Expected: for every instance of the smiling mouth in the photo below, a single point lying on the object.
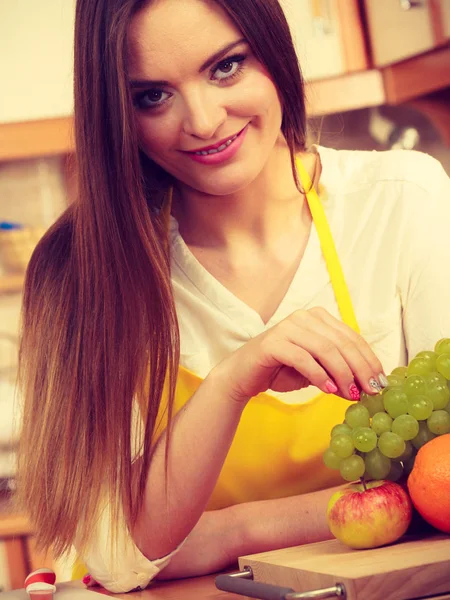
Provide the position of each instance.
(216, 149)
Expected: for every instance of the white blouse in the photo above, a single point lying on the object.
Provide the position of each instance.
(389, 213)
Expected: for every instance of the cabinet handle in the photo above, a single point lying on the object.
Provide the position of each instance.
(409, 4)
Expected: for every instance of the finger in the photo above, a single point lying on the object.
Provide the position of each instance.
(321, 362)
(89, 581)
(294, 356)
(362, 344)
(364, 348)
(360, 368)
(328, 355)
(287, 379)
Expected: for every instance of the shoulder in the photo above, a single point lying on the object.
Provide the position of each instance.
(354, 170)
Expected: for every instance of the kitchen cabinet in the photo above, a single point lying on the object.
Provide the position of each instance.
(11, 284)
(353, 53)
(327, 35)
(400, 29)
(36, 54)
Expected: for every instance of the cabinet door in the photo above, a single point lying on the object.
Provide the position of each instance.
(328, 36)
(444, 9)
(36, 56)
(400, 29)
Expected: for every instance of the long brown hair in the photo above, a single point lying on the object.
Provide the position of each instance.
(98, 309)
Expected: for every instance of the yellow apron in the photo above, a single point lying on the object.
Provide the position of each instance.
(277, 449)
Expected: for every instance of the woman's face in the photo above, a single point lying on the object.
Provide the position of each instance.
(207, 111)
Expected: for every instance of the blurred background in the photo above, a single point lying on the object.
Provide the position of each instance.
(378, 77)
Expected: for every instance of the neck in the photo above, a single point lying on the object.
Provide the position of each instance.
(260, 213)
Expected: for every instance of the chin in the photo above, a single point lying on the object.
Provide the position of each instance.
(226, 188)
(228, 181)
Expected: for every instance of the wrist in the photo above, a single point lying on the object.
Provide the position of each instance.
(219, 377)
(239, 532)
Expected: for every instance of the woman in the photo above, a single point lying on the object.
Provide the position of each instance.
(197, 272)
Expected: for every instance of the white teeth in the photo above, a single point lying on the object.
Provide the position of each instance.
(219, 149)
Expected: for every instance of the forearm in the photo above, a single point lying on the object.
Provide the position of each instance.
(220, 537)
(202, 433)
(285, 522)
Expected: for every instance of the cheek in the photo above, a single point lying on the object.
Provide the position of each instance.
(260, 98)
(157, 135)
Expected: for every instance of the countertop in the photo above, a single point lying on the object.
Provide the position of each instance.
(196, 588)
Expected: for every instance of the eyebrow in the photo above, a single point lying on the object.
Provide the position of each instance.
(145, 83)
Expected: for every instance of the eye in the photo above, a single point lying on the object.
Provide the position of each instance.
(228, 68)
(151, 99)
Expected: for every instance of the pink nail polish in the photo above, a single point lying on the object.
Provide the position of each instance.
(86, 579)
(354, 392)
(331, 387)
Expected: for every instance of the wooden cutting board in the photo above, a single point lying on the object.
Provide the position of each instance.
(411, 568)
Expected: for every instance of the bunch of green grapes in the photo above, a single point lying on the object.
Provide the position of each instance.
(381, 434)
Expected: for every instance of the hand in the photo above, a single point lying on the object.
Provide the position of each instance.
(308, 347)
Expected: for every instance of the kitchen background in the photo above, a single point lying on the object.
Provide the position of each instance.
(378, 75)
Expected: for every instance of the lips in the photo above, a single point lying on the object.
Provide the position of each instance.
(214, 149)
(220, 153)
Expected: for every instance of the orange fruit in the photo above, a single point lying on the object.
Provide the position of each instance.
(429, 482)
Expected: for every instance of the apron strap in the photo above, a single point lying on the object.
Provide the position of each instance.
(329, 250)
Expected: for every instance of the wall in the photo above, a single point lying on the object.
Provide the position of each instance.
(36, 59)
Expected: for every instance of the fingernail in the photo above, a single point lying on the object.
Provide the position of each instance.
(86, 579)
(383, 380)
(375, 385)
(331, 387)
(354, 392)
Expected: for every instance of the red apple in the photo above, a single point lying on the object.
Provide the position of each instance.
(369, 517)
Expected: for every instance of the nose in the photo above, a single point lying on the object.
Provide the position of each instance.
(204, 114)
